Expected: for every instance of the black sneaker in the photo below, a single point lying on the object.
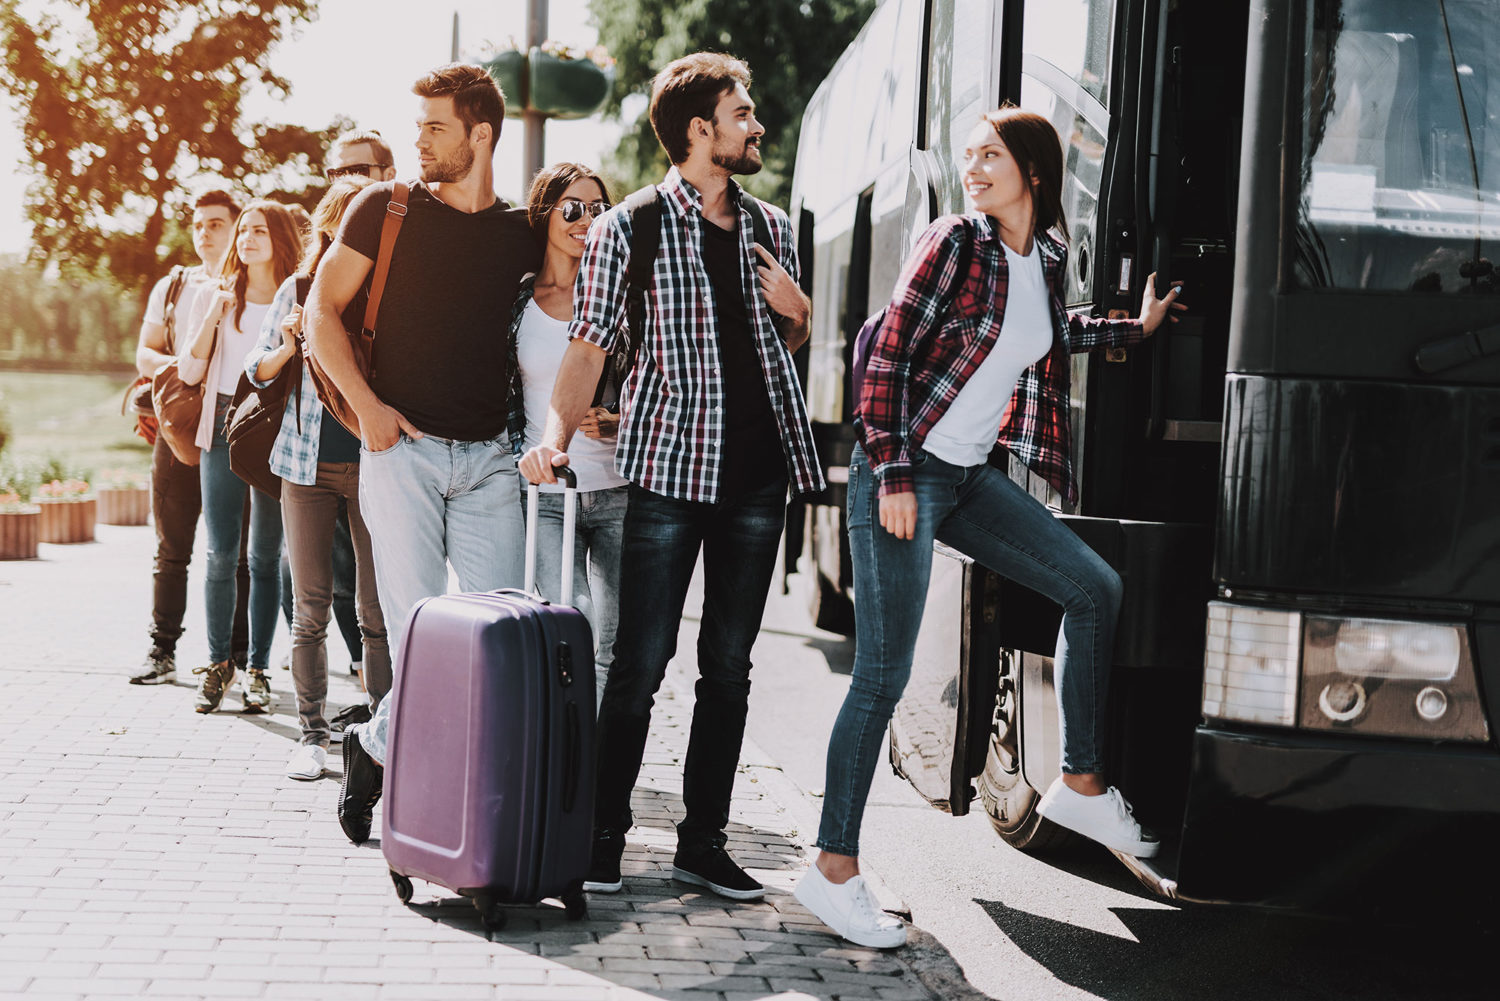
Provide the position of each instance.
(158, 669)
(347, 717)
(359, 791)
(604, 864)
(714, 869)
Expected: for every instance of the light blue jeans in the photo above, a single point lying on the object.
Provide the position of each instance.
(430, 501)
(984, 514)
(596, 564)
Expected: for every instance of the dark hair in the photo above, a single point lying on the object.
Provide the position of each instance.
(547, 187)
(286, 244)
(1037, 149)
(476, 95)
(219, 197)
(383, 155)
(327, 215)
(689, 88)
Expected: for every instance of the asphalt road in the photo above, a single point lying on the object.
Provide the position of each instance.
(1078, 926)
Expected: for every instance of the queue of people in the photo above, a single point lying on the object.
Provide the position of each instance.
(504, 332)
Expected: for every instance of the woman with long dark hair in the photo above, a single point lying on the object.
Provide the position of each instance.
(264, 252)
(318, 462)
(564, 201)
(973, 351)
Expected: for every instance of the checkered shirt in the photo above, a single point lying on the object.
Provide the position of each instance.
(672, 422)
(294, 456)
(925, 351)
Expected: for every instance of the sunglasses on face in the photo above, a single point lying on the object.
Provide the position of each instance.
(334, 173)
(572, 209)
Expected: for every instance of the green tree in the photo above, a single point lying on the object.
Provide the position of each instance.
(122, 101)
(789, 44)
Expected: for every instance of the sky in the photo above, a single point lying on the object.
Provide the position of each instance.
(359, 59)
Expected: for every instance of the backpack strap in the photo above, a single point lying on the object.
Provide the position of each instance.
(176, 280)
(303, 286)
(643, 208)
(760, 226)
(395, 215)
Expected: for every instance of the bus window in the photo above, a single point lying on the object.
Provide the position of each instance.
(1400, 176)
(963, 82)
(1064, 76)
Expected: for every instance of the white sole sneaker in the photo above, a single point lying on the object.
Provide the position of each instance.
(1106, 819)
(850, 910)
(308, 762)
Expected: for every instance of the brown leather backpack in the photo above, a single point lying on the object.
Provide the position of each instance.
(362, 344)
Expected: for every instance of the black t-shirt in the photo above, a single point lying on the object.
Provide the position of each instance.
(752, 453)
(440, 335)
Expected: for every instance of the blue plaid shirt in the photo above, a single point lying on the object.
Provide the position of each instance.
(294, 457)
(672, 422)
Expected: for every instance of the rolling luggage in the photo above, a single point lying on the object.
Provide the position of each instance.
(489, 779)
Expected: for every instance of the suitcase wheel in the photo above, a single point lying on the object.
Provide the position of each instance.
(403, 887)
(576, 905)
(491, 913)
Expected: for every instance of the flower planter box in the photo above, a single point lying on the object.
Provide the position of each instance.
(566, 88)
(66, 521)
(18, 534)
(123, 506)
(509, 70)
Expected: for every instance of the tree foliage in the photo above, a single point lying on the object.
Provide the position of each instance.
(124, 102)
(789, 44)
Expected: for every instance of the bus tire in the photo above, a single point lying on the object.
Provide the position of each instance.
(1008, 800)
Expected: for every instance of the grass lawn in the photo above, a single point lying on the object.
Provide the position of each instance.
(72, 416)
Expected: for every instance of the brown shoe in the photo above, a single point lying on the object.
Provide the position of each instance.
(216, 681)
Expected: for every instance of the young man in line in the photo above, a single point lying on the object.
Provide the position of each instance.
(175, 498)
(714, 432)
(437, 480)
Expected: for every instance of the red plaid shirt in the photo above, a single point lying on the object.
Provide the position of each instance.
(940, 327)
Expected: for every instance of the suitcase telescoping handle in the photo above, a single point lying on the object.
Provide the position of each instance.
(569, 533)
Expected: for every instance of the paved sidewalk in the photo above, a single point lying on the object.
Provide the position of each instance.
(146, 850)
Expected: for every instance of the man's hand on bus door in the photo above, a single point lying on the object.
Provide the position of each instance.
(786, 298)
(898, 514)
(1154, 310)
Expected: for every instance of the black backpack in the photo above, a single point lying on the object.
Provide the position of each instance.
(644, 209)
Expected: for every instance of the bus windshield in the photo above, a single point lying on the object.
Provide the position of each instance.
(1400, 173)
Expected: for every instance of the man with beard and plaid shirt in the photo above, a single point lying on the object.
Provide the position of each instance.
(714, 431)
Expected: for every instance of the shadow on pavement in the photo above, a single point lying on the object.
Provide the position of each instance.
(1248, 955)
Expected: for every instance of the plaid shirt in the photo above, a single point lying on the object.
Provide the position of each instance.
(294, 456)
(672, 422)
(924, 353)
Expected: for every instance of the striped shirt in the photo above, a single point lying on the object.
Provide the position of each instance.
(672, 424)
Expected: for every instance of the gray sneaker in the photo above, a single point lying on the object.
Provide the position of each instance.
(216, 681)
(256, 692)
(158, 669)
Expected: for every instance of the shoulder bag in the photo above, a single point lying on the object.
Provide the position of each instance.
(255, 416)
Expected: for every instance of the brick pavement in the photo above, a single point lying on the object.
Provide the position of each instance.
(149, 851)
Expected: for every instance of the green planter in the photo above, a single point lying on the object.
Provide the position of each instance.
(509, 71)
(567, 88)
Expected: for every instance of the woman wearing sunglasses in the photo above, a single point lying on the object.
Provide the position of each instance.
(565, 199)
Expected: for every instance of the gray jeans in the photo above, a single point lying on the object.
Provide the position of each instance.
(596, 564)
(308, 514)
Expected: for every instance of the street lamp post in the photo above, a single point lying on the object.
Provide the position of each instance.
(534, 152)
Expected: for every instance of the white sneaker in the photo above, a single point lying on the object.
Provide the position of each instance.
(1106, 819)
(306, 762)
(850, 910)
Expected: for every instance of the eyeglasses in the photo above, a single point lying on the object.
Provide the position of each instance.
(572, 209)
(334, 173)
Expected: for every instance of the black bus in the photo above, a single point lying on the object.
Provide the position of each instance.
(1299, 483)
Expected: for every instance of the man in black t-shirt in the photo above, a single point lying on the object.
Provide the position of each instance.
(437, 478)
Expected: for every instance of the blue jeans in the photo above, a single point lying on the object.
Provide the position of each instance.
(596, 564)
(427, 502)
(739, 540)
(981, 512)
(223, 516)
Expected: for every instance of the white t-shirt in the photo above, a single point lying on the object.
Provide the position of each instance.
(966, 432)
(196, 290)
(236, 340)
(540, 344)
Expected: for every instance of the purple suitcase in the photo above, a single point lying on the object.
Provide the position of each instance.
(489, 779)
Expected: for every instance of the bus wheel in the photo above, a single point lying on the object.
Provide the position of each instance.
(1009, 801)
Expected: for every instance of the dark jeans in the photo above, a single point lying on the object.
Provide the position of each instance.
(176, 502)
(739, 541)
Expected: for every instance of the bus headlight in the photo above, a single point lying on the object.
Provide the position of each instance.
(1250, 664)
(1417, 679)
